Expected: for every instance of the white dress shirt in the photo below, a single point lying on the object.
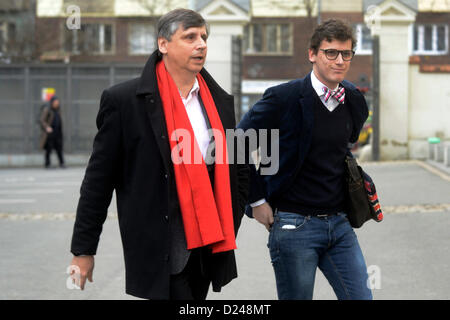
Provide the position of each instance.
(195, 114)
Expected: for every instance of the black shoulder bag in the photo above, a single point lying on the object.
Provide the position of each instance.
(363, 199)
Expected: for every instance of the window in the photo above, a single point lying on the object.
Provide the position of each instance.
(141, 38)
(3, 35)
(363, 38)
(268, 39)
(11, 32)
(7, 36)
(430, 39)
(90, 39)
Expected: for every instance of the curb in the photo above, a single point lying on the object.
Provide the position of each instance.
(37, 160)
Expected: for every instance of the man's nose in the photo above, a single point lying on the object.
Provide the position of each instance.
(339, 58)
(201, 44)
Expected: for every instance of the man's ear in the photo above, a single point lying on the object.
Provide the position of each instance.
(311, 56)
(162, 45)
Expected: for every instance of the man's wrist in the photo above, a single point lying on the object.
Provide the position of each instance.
(82, 255)
(258, 203)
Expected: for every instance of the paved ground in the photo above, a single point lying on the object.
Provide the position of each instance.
(410, 250)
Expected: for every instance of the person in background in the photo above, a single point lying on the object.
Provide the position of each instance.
(52, 131)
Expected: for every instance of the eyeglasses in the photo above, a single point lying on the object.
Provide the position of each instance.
(332, 54)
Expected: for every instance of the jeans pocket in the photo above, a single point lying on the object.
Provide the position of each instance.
(288, 221)
(343, 215)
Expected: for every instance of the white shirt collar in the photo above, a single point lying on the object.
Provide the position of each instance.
(193, 91)
(317, 85)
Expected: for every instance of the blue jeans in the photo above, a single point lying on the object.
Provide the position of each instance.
(299, 244)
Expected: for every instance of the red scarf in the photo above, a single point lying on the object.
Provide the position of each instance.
(207, 214)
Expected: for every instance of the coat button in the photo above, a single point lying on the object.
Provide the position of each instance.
(166, 176)
(166, 217)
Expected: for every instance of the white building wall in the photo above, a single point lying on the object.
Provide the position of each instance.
(434, 5)
(123, 8)
(429, 111)
(218, 62)
(49, 8)
(279, 8)
(342, 6)
(393, 91)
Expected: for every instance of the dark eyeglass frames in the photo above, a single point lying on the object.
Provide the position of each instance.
(332, 54)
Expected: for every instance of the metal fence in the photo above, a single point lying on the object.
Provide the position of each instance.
(78, 88)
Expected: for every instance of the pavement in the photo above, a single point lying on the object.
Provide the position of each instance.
(407, 254)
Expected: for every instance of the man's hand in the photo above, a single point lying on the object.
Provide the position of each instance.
(86, 267)
(49, 129)
(263, 214)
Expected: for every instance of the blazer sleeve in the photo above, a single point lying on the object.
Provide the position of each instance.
(99, 180)
(243, 180)
(263, 115)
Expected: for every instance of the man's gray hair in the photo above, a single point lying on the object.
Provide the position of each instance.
(169, 23)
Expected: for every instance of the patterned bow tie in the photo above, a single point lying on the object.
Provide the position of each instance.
(339, 94)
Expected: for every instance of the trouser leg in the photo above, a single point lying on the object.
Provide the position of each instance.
(190, 284)
(343, 264)
(48, 151)
(59, 151)
(295, 243)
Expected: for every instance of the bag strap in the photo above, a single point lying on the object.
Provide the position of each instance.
(353, 168)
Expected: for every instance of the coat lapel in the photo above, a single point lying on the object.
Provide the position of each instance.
(148, 87)
(357, 105)
(307, 110)
(158, 123)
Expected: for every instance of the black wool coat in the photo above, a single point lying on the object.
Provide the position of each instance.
(131, 155)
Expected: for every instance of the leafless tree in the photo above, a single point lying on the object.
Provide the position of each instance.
(152, 6)
(307, 5)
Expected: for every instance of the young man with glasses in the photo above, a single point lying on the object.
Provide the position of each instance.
(304, 204)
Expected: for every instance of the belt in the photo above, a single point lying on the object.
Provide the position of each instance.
(324, 215)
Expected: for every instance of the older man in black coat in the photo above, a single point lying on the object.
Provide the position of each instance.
(132, 155)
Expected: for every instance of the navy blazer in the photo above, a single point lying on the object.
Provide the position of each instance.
(289, 108)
